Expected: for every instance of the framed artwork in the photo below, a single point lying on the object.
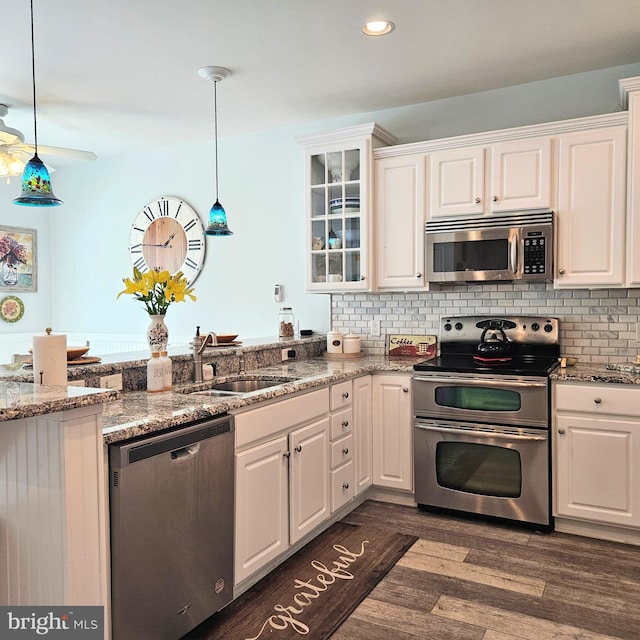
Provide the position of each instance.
(18, 269)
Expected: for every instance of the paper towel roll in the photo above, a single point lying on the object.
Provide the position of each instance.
(50, 359)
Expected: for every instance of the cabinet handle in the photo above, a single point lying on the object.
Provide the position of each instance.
(345, 395)
(345, 424)
(597, 400)
(361, 277)
(405, 389)
(345, 485)
(299, 448)
(418, 275)
(286, 454)
(495, 198)
(561, 272)
(561, 431)
(477, 200)
(345, 451)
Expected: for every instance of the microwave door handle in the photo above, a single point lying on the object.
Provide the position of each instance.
(513, 255)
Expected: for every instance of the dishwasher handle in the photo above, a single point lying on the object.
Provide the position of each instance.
(185, 453)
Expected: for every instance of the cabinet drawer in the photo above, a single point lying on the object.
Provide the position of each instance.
(341, 451)
(341, 394)
(341, 423)
(617, 399)
(271, 419)
(342, 486)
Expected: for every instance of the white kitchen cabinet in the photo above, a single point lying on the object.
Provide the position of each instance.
(506, 176)
(363, 432)
(596, 444)
(400, 214)
(282, 477)
(342, 485)
(338, 202)
(590, 220)
(392, 432)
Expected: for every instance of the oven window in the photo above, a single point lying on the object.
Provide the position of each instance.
(471, 255)
(478, 398)
(482, 469)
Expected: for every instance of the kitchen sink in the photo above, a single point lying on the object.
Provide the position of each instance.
(239, 386)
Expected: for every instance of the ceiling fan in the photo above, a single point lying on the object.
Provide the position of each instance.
(15, 153)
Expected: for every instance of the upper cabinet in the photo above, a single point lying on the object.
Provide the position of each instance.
(339, 194)
(590, 221)
(505, 176)
(400, 210)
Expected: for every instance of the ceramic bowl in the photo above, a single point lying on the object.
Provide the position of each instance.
(226, 337)
(73, 353)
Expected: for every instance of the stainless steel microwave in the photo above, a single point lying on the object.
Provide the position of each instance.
(494, 248)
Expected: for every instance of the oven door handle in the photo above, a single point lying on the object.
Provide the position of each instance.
(470, 432)
(482, 382)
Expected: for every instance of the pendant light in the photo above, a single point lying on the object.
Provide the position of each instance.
(217, 216)
(36, 183)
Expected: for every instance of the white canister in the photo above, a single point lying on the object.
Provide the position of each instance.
(351, 343)
(334, 342)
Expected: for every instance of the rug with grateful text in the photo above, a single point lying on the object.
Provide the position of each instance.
(314, 591)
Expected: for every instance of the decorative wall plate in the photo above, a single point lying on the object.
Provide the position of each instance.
(11, 308)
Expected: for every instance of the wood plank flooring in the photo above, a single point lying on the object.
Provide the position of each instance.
(471, 580)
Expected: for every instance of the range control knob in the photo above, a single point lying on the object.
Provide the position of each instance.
(548, 328)
(447, 326)
(458, 326)
(535, 326)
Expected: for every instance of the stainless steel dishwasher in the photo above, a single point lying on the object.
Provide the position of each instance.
(172, 514)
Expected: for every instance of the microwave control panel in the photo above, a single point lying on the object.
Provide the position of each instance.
(535, 254)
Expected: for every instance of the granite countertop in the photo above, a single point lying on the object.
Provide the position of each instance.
(139, 413)
(609, 373)
(25, 400)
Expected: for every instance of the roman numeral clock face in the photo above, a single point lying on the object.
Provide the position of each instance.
(168, 234)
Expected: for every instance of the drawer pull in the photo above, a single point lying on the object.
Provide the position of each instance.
(299, 448)
(345, 424)
(345, 451)
(405, 389)
(286, 454)
(345, 485)
(477, 201)
(345, 395)
(597, 400)
(561, 431)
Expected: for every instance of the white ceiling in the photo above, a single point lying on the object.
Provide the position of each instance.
(120, 75)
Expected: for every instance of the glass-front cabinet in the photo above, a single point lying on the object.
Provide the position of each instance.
(338, 207)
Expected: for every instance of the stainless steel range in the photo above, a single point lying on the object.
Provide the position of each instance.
(482, 418)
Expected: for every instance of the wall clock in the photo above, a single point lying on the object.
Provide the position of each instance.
(168, 234)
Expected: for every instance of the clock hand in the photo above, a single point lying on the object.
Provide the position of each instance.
(169, 239)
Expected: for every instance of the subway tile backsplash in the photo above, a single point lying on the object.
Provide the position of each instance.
(598, 326)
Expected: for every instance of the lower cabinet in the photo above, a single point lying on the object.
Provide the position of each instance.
(596, 441)
(363, 432)
(392, 432)
(342, 476)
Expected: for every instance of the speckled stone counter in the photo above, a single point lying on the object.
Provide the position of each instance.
(612, 373)
(140, 413)
(24, 400)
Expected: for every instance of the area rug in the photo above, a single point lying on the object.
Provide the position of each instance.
(314, 591)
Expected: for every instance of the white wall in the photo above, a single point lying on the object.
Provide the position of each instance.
(83, 244)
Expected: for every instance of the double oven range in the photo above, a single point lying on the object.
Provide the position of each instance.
(482, 418)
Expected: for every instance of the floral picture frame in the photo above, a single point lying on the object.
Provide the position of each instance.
(18, 259)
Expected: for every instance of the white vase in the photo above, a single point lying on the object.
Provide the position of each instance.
(157, 334)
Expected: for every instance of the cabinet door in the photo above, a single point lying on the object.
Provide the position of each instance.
(363, 433)
(262, 510)
(392, 432)
(309, 478)
(457, 182)
(521, 175)
(591, 209)
(400, 216)
(633, 206)
(597, 463)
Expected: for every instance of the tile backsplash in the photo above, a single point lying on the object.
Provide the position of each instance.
(598, 326)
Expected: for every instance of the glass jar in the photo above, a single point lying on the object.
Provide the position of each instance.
(285, 323)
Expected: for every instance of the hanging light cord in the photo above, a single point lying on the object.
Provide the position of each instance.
(33, 79)
(215, 127)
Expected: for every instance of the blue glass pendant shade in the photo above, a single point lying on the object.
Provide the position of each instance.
(218, 221)
(36, 186)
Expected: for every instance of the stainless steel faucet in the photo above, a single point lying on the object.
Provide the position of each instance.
(210, 340)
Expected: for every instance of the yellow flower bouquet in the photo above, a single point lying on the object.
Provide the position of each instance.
(157, 289)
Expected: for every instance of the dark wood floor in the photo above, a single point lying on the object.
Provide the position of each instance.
(470, 580)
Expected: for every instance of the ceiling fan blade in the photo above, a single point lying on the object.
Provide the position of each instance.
(61, 152)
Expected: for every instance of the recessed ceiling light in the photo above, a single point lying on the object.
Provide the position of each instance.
(378, 28)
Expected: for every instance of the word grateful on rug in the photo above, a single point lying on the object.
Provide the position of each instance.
(314, 591)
